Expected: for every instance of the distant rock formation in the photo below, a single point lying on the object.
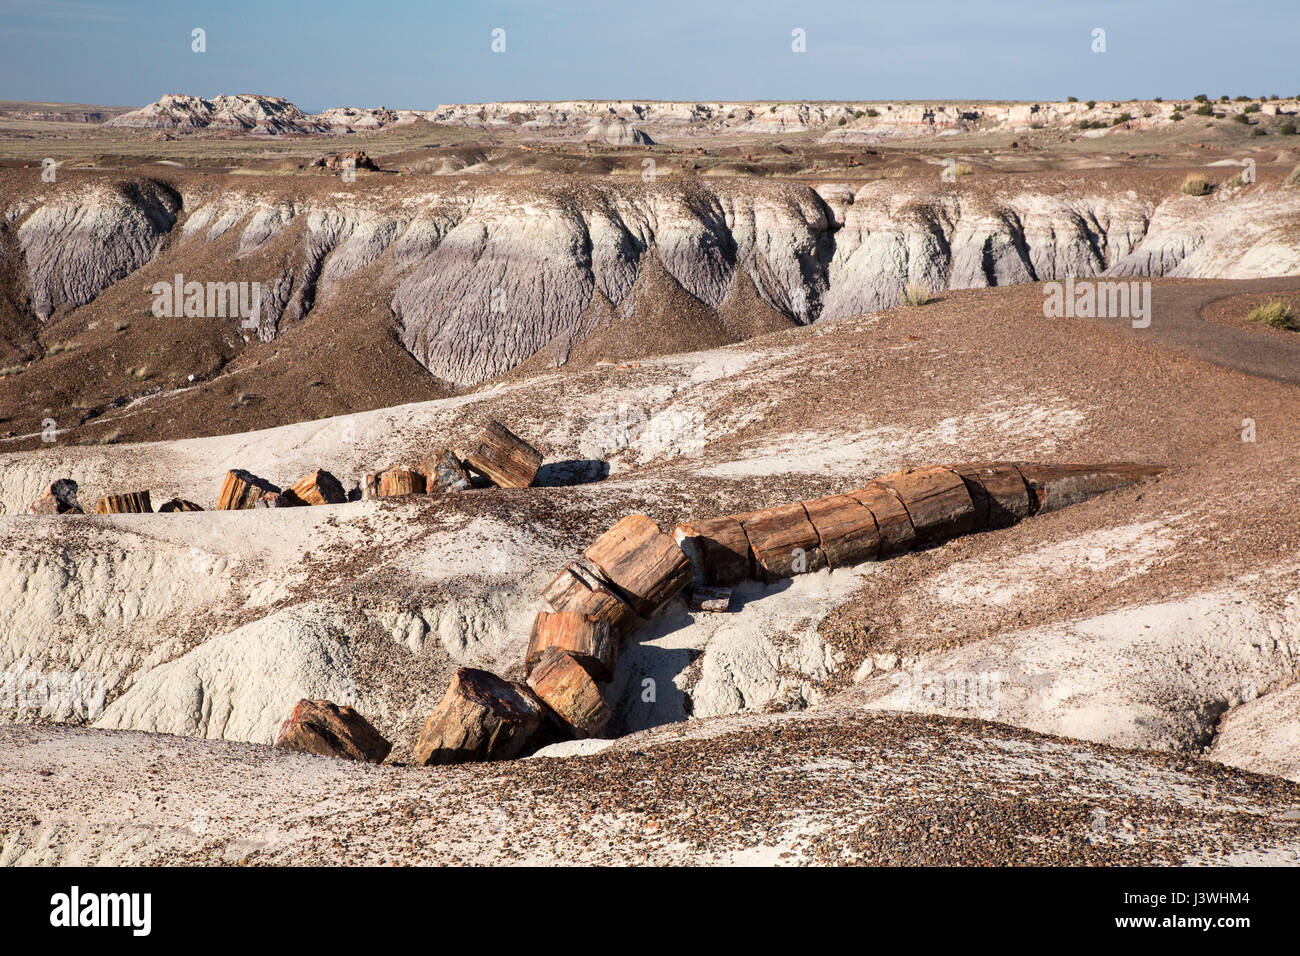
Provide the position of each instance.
(616, 131)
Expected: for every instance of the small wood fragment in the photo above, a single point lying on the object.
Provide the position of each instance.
(700, 597)
(177, 504)
(60, 498)
(325, 728)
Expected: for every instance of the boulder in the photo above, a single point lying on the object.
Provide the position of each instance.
(502, 457)
(60, 498)
(321, 727)
(480, 717)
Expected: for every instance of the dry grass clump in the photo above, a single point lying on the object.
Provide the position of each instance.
(1276, 313)
(1195, 185)
(917, 293)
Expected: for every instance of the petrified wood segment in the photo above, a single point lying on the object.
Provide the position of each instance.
(399, 481)
(717, 548)
(936, 500)
(277, 499)
(481, 717)
(133, 502)
(568, 689)
(319, 488)
(60, 498)
(579, 589)
(241, 489)
(177, 504)
(321, 727)
(783, 541)
(703, 598)
(645, 566)
(998, 491)
(846, 529)
(444, 472)
(503, 457)
(1056, 486)
(896, 532)
(591, 640)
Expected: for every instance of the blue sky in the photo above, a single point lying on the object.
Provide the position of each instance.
(404, 53)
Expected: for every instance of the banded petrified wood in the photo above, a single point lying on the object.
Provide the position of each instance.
(395, 482)
(480, 717)
(846, 530)
(570, 691)
(895, 527)
(177, 504)
(242, 489)
(717, 548)
(504, 458)
(645, 566)
(582, 589)
(443, 472)
(325, 728)
(998, 491)
(591, 640)
(1057, 486)
(936, 500)
(318, 488)
(132, 502)
(783, 542)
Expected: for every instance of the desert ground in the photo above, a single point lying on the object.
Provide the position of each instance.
(690, 310)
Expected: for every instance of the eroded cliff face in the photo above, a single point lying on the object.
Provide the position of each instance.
(483, 275)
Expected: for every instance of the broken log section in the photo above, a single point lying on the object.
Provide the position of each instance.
(504, 458)
(580, 589)
(480, 717)
(717, 548)
(60, 498)
(241, 489)
(318, 488)
(894, 526)
(399, 481)
(783, 542)
(645, 566)
(133, 502)
(999, 493)
(177, 504)
(846, 530)
(590, 640)
(570, 691)
(1057, 486)
(443, 472)
(321, 727)
(936, 500)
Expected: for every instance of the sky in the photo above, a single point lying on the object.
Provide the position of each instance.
(412, 54)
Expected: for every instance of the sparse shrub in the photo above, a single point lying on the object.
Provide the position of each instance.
(110, 438)
(858, 114)
(1071, 99)
(1286, 129)
(1176, 117)
(1241, 118)
(1276, 314)
(1293, 177)
(1195, 185)
(1201, 98)
(917, 293)
(58, 347)
(1252, 108)
(963, 169)
(842, 121)
(1158, 99)
(1204, 110)
(1121, 119)
(1259, 131)
(873, 113)
(1091, 103)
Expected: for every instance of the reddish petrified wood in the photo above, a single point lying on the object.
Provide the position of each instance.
(591, 640)
(896, 532)
(318, 488)
(503, 457)
(644, 565)
(132, 502)
(998, 491)
(1056, 486)
(581, 589)
(443, 472)
(321, 727)
(717, 548)
(783, 541)
(60, 498)
(936, 500)
(241, 489)
(570, 691)
(480, 717)
(399, 481)
(846, 530)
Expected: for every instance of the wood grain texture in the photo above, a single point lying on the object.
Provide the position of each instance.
(502, 457)
(579, 589)
(318, 488)
(570, 691)
(1058, 486)
(717, 548)
(896, 532)
(241, 489)
(846, 530)
(591, 640)
(783, 541)
(324, 728)
(998, 491)
(480, 717)
(645, 566)
(131, 502)
(936, 500)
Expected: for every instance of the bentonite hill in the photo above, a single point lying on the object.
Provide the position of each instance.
(650, 482)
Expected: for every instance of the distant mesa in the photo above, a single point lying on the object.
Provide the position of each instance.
(616, 131)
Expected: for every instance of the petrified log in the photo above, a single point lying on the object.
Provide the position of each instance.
(399, 481)
(846, 529)
(717, 548)
(783, 541)
(443, 472)
(60, 498)
(591, 640)
(702, 598)
(998, 491)
(568, 689)
(1056, 486)
(481, 717)
(241, 489)
(318, 488)
(177, 504)
(936, 500)
(645, 566)
(896, 532)
(580, 589)
(321, 727)
(503, 457)
(133, 502)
